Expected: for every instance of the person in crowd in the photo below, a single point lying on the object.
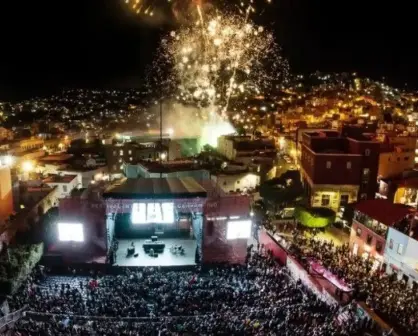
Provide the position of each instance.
(258, 298)
(394, 300)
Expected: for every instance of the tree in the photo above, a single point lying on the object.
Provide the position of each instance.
(315, 217)
(208, 148)
(282, 191)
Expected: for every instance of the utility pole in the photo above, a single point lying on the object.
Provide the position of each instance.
(161, 137)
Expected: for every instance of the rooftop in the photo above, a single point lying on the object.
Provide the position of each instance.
(57, 178)
(323, 134)
(156, 188)
(170, 166)
(384, 211)
(81, 169)
(57, 158)
(254, 145)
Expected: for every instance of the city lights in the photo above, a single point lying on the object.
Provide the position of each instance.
(8, 160)
(28, 166)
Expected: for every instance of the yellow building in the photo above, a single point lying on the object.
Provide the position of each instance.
(333, 196)
(396, 156)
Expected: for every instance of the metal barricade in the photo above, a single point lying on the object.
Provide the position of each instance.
(11, 318)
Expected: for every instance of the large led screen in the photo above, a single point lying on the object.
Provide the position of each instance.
(70, 232)
(145, 213)
(240, 229)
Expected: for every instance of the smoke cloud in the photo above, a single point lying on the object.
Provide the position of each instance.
(183, 121)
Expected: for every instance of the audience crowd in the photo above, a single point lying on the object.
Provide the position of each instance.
(258, 298)
(391, 298)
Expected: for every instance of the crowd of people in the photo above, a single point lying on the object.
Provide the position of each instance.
(391, 298)
(258, 298)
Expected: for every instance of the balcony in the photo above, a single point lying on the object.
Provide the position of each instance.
(372, 224)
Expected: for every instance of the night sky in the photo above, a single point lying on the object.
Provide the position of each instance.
(47, 45)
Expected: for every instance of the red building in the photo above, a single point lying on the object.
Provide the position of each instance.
(338, 169)
(372, 218)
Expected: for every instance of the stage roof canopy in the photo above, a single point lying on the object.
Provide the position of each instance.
(156, 188)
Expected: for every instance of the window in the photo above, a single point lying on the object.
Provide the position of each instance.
(120, 160)
(358, 232)
(406, 158)
(238, 182)
(366, 172)
(363, 196)
(114, 153)
(400, 249)
(367, 152)
(325, 200)
(391, 244)
(349, 165)
(121, 152)
(344, 200)
(328, 164)
(114, 167)
(130, 159)
(121, 167)
(64, 188)
(369, 239)
(130, 152)
(379, 247)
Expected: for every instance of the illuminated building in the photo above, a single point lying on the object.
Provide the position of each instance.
(32, 200)
(64, 183)
(235, 181)
(369, 231)
(5, 134)
(6, 196)
(245, 149)
(397, 154)
(401, 188)
(401, 252)
(120, 153)
(337, 170)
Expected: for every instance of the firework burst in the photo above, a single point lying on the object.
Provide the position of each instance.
(220, 59)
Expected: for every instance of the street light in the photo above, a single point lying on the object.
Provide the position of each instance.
(27, 166)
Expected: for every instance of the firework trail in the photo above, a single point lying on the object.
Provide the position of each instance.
(182, 10)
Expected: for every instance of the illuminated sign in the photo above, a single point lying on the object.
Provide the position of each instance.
(145, 213)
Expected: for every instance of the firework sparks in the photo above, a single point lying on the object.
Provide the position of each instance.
(221, 57)
(155, 7)
(184, 8)
(217, 61)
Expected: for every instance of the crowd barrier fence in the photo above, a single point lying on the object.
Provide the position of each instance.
(11, 318)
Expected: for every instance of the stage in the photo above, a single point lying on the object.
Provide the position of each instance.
(164, 259)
